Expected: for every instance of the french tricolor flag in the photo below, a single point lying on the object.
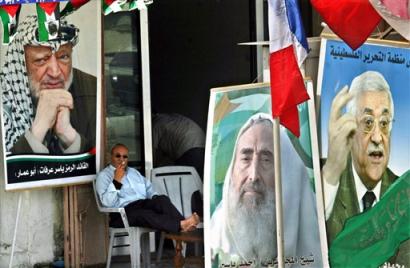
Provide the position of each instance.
(288, 49)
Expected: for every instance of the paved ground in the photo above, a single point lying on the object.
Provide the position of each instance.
(166, 261)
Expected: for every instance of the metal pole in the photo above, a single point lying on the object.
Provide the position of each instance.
(316, 170)
(146, 92)
(259, 37)
(15, 231)
(278, 192)
(146, 101)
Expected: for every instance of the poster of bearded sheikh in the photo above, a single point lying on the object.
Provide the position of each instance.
(239, 183)
(50, 91)
(365, 145)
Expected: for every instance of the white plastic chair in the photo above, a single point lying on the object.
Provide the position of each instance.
(178, 183)
(138, 236)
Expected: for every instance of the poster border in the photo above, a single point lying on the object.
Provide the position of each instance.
(315, 158)
(77, 180)
(323, 57)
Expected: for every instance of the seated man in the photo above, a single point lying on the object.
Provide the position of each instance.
(121, 186)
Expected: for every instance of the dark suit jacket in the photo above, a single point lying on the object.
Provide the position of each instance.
(83, 116)
(346, 206)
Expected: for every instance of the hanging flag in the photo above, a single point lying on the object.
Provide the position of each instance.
(399, 8)
(72, 6)
(48, 15)
(371, 238)
(9, 16)
(110, 6)
(288, 47)
(352, 21)
(15, 2)
(136, 4)
(124, 5)
(396, 13)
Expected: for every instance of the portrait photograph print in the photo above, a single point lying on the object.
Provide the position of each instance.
(239, 188)
(365, 148)
(50, 98)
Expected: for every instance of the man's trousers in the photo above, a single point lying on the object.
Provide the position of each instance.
(157, 213)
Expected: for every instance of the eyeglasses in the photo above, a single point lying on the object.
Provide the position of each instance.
(368, 123)
(120, 155)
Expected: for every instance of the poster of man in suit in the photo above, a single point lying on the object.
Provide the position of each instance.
(365, 144)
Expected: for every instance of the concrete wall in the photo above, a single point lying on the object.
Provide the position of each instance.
(40, 229)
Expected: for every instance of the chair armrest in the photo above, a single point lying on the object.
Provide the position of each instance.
(111, 210)
(117, 210)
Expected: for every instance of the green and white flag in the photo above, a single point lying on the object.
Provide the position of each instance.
(9, 16)
(371, 238)
(72, 6)
(48, 15)
(110, 6)
(136, 4)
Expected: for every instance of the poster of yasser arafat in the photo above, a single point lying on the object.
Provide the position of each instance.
(50, 89)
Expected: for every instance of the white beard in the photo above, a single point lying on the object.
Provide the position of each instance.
(253, 229)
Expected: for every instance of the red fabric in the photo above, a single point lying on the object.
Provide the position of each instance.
(78, 3)
(398, 8)
(11, 9)
(109, 2)
(287, 88)
(93, 151)
(49, 8)
(352, 20)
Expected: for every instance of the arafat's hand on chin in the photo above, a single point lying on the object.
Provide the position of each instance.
(63, 128)
(48, 106)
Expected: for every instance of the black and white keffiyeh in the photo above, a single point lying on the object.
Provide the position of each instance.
(18, 111)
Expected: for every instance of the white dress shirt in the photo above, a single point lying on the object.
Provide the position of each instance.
(361, 189)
